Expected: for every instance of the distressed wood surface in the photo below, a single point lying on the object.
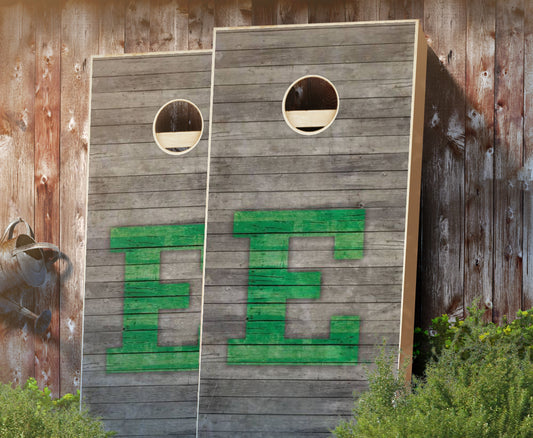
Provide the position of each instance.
(228, 302)
(17, 138)
(125, 314)
(125, 25)
(47, 173)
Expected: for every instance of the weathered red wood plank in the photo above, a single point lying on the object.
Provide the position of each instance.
(47, 218)
(442, 270)
(292, 12)
(527, 176)
(332, 11)
(508, 156)
(169, 25)
(231, 13)
(201, 22)
(137, 27)
(263, 12)
(479, 152)
(78, 18)
(111, 27)
(17, 169)
(362, 10)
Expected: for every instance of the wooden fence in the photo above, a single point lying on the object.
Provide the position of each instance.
(476, 202)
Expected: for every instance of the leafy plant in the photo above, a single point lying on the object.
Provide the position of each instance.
(479, 384)
(29, 412)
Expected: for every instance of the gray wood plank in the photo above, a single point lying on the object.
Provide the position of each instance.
(145, 394)
(169, 319)
(279, 129)
(347, 89)
(156, 81)
(98, 378)
(323, 35)
(289, 73)
(132, 133)
(130, 411)
(144, 64)
(336, 54)
(135, 184)
(367, 108)
(239, 277)
(131, 201)
(114, 306)
(148, 98)
(144, 115)
(151, 427)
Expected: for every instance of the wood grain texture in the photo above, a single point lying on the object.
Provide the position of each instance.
(17, 171)
(479, 153)
(111, 35)
(47, 172)
(201, 23)
(508, 158)
(442, 192)
(137, 26)
(78, 17)
(240, 180)
(169, 25)
(527, 288)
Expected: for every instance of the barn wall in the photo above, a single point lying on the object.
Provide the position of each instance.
(476, 203)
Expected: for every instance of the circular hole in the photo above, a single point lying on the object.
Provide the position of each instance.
(178, 126)
(310, 105)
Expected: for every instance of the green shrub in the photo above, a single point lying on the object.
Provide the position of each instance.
(29, 412)
(479, 384)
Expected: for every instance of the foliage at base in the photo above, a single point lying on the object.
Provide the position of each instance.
(29, 412)
(480, 384)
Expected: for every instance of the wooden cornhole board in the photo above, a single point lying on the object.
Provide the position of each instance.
(311, 239)
(144, 247)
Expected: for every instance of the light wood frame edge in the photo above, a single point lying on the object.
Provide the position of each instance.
(413, 203)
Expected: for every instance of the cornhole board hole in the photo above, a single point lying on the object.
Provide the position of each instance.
(314, 181)
(146, 214)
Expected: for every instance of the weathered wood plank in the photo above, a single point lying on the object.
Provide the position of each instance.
(78, 17)
(479, 152)
(144, 64)
(322, 36)
(47, 169)
(169, 25)
(232, 13)
(137, 26)
(275, 74)
(361, 10)
(313, 55)
(154, 393)
(159, 81)
(124, 99)
(527, 287)
(201, 23)
(508, 156)
(111, 35)
(326, 12)
(17, 170)
(443, 167)
(164, 410)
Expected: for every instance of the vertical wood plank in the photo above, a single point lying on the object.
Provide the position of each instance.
(79, 41)
(17, 169)
(479, 151)
(111, 27)
(408, 9)
(263, 12)
(201, 23)
(292, 12)
(527, 288)
(231, 13)
(47, 218)
(326, 12)
(137, 29)
(362, 10)
(169, 25)
(508, 155)
(443, 170)
(387, 9)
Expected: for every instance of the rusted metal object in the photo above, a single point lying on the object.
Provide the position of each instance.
(22, 264)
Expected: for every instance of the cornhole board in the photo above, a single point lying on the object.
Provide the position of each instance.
(145, 233)
(311, 245)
